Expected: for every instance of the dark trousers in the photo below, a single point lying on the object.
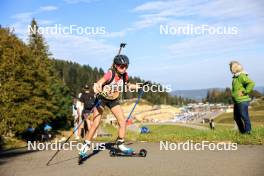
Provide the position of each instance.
(241, 117)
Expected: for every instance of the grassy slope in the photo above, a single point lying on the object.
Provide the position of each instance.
(175, 133)
(225, 130)
(256, 114)
(257, 117)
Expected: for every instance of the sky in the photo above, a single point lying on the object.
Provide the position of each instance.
(181, 60)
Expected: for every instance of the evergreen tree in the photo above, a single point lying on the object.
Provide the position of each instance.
(36, 41)
(30, 91)
(51, 92)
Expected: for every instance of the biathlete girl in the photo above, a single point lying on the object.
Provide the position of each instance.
(108, 87)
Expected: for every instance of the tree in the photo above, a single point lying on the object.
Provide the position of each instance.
(18, 106)
(36, 41)
(50, 89)
(31, 92)
(219, 96)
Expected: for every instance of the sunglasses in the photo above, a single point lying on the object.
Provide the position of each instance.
(122, 66)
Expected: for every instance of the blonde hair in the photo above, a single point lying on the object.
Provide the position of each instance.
(235, 67)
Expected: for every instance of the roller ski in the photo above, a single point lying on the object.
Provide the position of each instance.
(83, 152)
(119, 149)
(82, 158)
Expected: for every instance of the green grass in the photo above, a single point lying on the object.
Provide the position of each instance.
(256, 113)
(112, 130)
(224, 130)
(256, 117)
(173, 133)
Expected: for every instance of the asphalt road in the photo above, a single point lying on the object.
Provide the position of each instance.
(246, 160)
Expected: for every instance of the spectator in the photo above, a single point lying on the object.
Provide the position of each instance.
(212, 124)
(242, 85)
(87, 98)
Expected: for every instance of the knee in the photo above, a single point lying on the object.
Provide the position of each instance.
(122, 123)
(96, 122)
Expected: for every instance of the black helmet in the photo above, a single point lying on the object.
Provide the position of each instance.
(121, 60)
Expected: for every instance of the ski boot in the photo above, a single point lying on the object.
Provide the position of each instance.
(83, 152)
(122, 148)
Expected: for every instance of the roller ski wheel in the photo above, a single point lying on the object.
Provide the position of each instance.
(112, 153)
(143, 153)
(118, 153)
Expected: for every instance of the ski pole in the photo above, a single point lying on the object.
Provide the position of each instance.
(139, 97)
(141, 92)
(75, 129)
(122, 45)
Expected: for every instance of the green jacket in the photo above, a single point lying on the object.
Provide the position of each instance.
(241, 83)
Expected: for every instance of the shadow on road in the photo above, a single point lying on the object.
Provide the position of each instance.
(108, 146)
(69, 159)
(4, 155)
(15, 152)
